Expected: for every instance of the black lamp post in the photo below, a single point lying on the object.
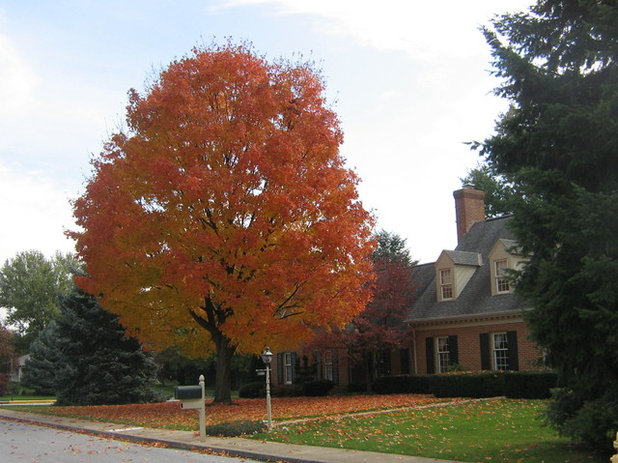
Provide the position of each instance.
(267, 357)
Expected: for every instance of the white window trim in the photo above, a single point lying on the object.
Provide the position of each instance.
(328, 372)
(446, 287)
(501, 278)
(287, 368)
(494, 351)
(442, 367)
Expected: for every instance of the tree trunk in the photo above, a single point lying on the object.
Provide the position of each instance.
(223, 380)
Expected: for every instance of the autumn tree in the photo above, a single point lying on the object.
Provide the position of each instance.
(379, 328)
(7, 357)
(223, 217)
(30, 285)
(559, 143)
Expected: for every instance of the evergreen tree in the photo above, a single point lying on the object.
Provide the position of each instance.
(45, 354)
(392, 248)
(499, 192)
(87, 359)
(559, 144)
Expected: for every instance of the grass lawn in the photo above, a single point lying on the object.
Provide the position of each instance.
(485, 431)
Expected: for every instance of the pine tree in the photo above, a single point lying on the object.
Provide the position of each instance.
(559, 144)
(45, 354)
(86, 358)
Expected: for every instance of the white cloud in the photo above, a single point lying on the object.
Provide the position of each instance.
(428, 31)
(34, 214)
(407, 142)
(18, 81)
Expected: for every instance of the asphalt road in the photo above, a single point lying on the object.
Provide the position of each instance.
(25, 443)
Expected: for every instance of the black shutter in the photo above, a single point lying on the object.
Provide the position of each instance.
(511, 340)
(280, 368)
(431, 364)
(335, 368)
(453, 351)
(404, 355)
(485, 353)
(318, 365)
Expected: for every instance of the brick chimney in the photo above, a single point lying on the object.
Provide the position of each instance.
(469, 208)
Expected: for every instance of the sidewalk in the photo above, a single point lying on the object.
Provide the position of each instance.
(232, 446)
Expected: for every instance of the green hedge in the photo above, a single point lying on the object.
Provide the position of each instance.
(252, 390)
(311, 388)
(317, 388)
(288, 390)
(467, 385)
(403, 384)
(515, 384)
(530, 384)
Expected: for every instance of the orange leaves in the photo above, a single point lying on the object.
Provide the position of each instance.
(228, 198)
(170, 415)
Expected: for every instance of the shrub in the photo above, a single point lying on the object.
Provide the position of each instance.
(529, 384)
(235, 428)
(357, 387)
(317, 388)
(402, 384)
(516, 384)
(467, 385)
(288, 390)
(252, 390)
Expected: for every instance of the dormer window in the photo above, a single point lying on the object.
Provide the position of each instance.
(446, 283)
(504, 256)
(453, 271)
(502, 283)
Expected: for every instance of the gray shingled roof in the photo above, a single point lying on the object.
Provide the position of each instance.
(465, 258)
(475, 299)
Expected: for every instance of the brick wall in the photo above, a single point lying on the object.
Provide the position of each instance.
(469, 349)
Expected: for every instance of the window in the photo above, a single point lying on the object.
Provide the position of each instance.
(328, 365)
(288, 368)
(446, 284)
(500, 351)
(502, 283)
(442, 354)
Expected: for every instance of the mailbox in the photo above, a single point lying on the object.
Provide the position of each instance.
(193, 397)
(187, 392)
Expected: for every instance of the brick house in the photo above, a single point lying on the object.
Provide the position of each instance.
(466, 313)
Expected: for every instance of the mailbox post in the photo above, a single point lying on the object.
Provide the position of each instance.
(194, 397)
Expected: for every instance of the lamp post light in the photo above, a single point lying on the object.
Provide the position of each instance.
(267, 357)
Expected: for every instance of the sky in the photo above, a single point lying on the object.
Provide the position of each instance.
(409, 80)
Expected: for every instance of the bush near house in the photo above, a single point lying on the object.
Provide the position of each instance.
(252, 390)
(317, 388)
(402, 384)
(516, 384)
